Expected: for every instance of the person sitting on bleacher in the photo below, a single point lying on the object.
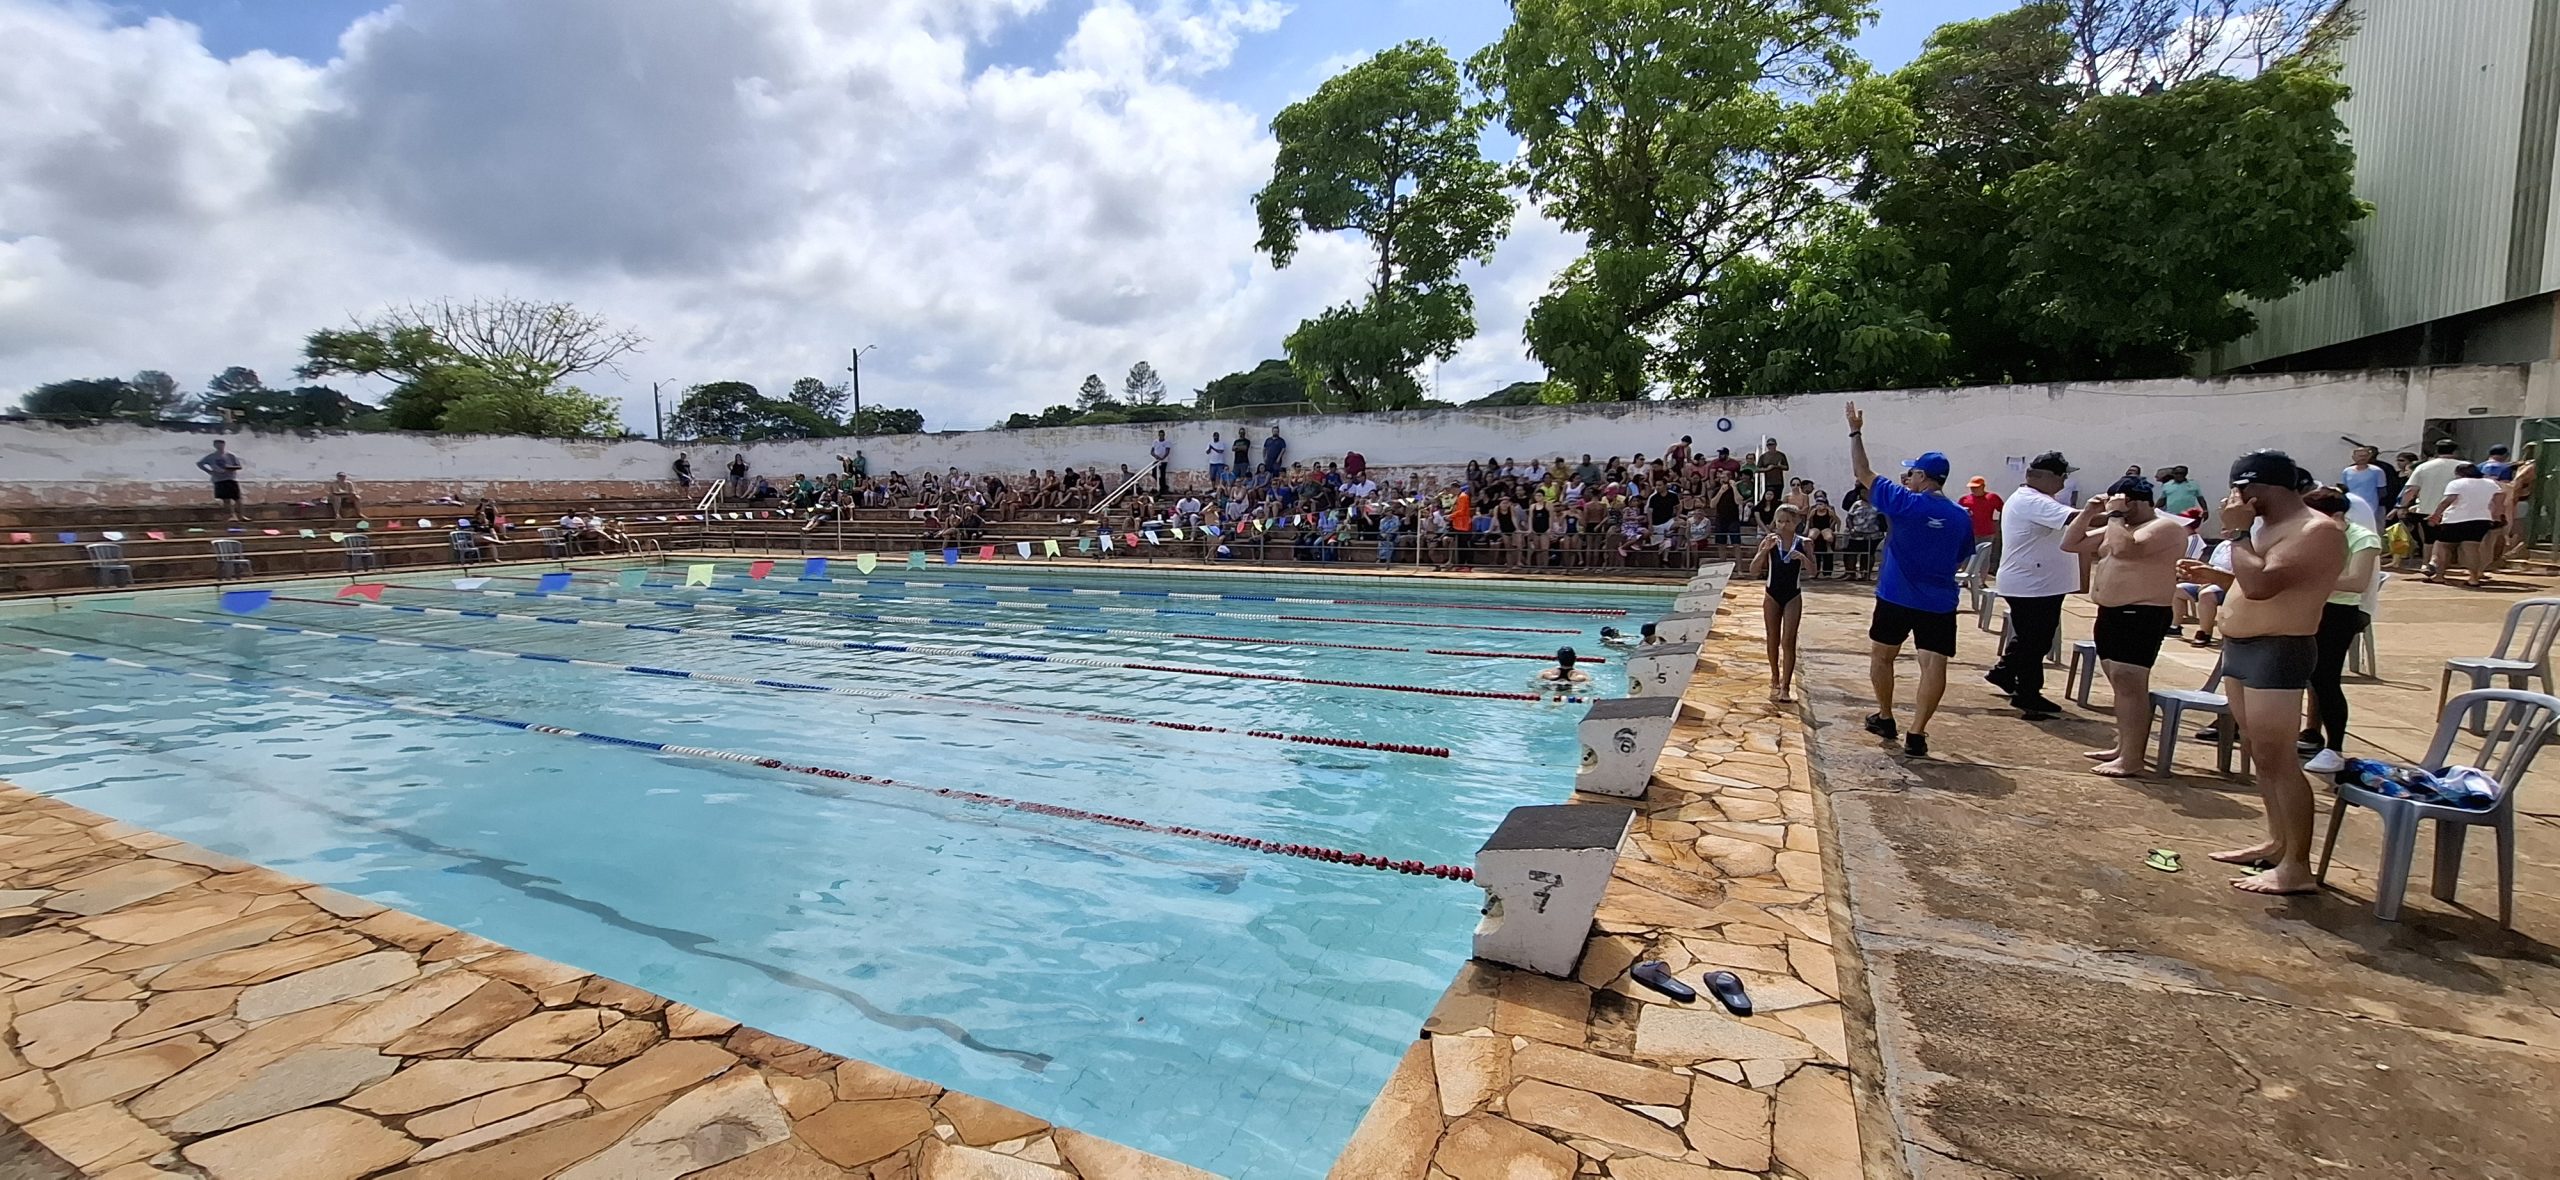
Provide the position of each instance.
(343, 501)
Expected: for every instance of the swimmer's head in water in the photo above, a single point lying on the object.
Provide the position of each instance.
(1646, 631)
(1565, 658)
(1608, 633)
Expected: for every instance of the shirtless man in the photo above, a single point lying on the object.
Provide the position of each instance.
(2282, 572)
(2133, 583)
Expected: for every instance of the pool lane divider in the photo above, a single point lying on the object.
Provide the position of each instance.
(770, 685)
(1196, 596)
(931, 621)
(929, 649)
(1315, 852)
(1078, 608)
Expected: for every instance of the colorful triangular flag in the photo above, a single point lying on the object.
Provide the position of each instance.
(631, 579)
(363, 525)
(1022, 547)
(814, 570)
(425, 523)
(1151, 537)
(1049, 547)
(67, 538)
(272, 532)
(1084, 544)
(986, 553)
(552, 583)
(756, 570)
(950, 557)
(372, 590)
(1177, 534)
(337, 538)
(310, 533)
(241, 602)
(698, 574)
(112, 535)
(22, 538)
(1106, 544)
(157, 535)
(469, 583)
(915, 559)
(866, 562)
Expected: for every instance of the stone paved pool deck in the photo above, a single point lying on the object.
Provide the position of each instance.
(174, 1012)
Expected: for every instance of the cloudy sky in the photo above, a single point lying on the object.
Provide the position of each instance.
(1003, 195)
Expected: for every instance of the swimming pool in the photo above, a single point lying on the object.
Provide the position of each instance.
(1227, 1008)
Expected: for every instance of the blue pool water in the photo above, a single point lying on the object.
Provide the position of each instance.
(1232, 1010)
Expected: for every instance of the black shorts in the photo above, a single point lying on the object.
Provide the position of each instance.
(2464, 532)
(226, 489)
(2130, 634)
(1930, 631)
(2270, 661)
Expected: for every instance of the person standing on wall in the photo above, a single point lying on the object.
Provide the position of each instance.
(1929, 539)
(1274, 449)
(1242, 470)
(224, 467)
(1161, 452)
(684, 472)
(2133, 583)
(2035, 576)
(738, 475)
(1772, 466)
(2286, 562)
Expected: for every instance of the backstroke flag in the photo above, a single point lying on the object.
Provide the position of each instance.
(631, 579)
(553, 583)
(699, 574)
(866, 562)
(241, 602)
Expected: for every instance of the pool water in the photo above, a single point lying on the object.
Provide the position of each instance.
(1233, 1010)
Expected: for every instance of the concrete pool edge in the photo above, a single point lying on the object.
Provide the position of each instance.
(1520, 1075)
(169, 1005)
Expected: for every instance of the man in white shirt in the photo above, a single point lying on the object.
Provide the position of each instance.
(2035, 576)
(1187, 509)
(1217, 460)
(1162, 452)
(2424, 495)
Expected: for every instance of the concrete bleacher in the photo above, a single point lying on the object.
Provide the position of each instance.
(273, 543)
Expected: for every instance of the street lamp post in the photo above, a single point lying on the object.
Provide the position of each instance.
(856, 369)
(658, 411)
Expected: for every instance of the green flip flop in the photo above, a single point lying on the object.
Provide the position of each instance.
(2163, 860)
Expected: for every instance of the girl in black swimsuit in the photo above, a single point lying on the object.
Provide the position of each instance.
(1781, 560)
(1541, 521)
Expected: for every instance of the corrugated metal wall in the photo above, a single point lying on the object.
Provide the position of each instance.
(2435, 119)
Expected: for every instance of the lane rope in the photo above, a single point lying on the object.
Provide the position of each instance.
(767, 684)
(1198, 596)
(1079, 608)
(931, 649)
(933, 621)
(1315, 852)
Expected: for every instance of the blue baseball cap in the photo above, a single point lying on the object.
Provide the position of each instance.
(1932, 464)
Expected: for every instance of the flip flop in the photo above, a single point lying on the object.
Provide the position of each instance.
(1657, 976)
(2162, 859)
(1727, 989)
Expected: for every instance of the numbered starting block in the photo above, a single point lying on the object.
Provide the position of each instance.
(1621, 740)
(1684, 626)
(1543, 872)
(1660, 669)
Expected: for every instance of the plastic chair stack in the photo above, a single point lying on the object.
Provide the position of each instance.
(230, 560)
(2523, 652)
(107, 564)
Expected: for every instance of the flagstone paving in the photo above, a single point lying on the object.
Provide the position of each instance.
(1522, 1077)
(171, 1012)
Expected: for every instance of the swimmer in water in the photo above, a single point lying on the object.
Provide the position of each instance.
(1612, 637)
(1563, 677)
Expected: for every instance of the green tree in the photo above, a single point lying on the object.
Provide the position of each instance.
(887, 420)
(498, 404)
(94, 399)
(1518, 393)
(1680, 137)
(735, 410)
(452, 367)
(1143, 388)
(824, 400)
(1387, 149)
(1271, 383)
(1093, 394)
(312, 407)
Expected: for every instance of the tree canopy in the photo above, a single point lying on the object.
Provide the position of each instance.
(1388, 150)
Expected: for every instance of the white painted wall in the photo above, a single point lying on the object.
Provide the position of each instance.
(2102, 426)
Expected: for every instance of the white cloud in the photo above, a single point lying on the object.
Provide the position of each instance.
(757, 185)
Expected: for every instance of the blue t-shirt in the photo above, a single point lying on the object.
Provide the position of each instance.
(2498, 469)
(1930, 539)
(2366, 485)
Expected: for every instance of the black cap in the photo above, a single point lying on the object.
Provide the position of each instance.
(2273, 468)
(2132, 487)
(2051, 461)
(2499, 449)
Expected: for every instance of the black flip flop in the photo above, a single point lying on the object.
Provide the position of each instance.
(1727, 989)
(1658, 977)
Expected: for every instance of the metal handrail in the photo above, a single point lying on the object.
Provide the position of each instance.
(1103, 505)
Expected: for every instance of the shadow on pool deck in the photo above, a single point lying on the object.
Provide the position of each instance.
(2048, 1006)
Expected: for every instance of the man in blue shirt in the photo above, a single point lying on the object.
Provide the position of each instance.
(2367, 479)
(1273, 448)
(1916, 599)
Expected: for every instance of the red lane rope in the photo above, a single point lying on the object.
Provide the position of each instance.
(1434, 626)
(1534, 610)
(1475, 694)
(1305, 851)
(1289, 642)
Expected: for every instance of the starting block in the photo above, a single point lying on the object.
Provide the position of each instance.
(1543, 872)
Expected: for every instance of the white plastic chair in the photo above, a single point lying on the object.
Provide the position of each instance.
(107, 565)
(2052, 655)
(2362, 657)
(230, 559)
(1977, 584)
(553, 546)
(2083, 672)
(2171, 705)
(466, 547)
(2507, 748)
(2524, 651)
